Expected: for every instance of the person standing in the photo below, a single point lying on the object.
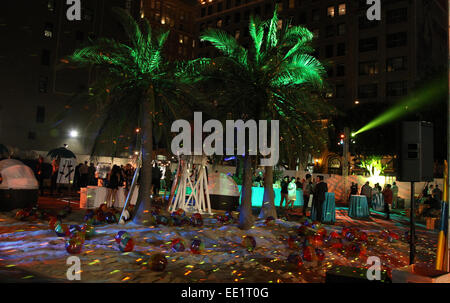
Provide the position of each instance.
(113, 185)
(319, 197)
(91, 174)
(292, 194)
(299, 183)
(84, 174)
(156, 179)
(366, 190)
(55, 171)
(394, 195)
(353, 190)
(307, 191)
(284, 191)
(437, 193)
(40, 174)
(387, 195)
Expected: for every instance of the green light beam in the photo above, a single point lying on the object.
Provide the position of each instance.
(426, 95)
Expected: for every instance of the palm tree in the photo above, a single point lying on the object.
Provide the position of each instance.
(137, 88)
(258, 81)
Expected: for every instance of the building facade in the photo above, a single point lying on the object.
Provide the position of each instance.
(366, 61)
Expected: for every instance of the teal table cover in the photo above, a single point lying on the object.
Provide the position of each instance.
(258, 195)
(358, 207)
(328, 210)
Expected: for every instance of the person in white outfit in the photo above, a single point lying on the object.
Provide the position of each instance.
(292, 193)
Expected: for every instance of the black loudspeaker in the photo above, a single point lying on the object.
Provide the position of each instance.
(416, 161)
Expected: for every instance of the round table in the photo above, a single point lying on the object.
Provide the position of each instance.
(359, 207)
(328, 209)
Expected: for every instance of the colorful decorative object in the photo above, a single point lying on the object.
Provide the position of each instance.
(22, 214)
(74, 229)
(62, 230)
(295, 259)
(197, 246)
(178, 245)
(158, 262)
(270, 221)
(249, 242)
(88, 230)
(120, 235)
(197, 220)
(52, 223)
(126, 243)
(180, 212)
(110, 218)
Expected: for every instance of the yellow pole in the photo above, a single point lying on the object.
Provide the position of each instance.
(441, 248)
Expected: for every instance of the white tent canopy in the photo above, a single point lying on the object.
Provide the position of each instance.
(222, 184)
(17, 175)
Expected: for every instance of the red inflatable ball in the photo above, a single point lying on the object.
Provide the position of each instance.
(362, 236)
(126, 244)
(197, 246)
(334, 235)
(319, 254)
(316, 240)
(74, 245)
(178, 245)
(121, 235)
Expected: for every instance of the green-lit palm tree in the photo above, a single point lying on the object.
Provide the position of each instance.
(258, 81)
(137, 87)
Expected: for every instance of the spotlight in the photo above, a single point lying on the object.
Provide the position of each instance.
(73, 133)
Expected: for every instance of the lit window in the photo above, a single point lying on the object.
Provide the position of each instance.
(237, 34)
(342, 9)
(280, 7)
(330, 11)
(219, 23)
(291, 3)
(48, 30)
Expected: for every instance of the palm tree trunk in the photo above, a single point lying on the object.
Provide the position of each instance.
(143, 203)
(245, 216)
(268, 205)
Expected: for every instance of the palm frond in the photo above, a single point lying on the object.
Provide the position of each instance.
(226, 44)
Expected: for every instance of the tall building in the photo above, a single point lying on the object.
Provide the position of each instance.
(366, 61)
(39, 109)
(178, 16)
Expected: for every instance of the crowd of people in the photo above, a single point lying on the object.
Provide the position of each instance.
(313, 192)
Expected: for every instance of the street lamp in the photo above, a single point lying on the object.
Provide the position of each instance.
(73, 133)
